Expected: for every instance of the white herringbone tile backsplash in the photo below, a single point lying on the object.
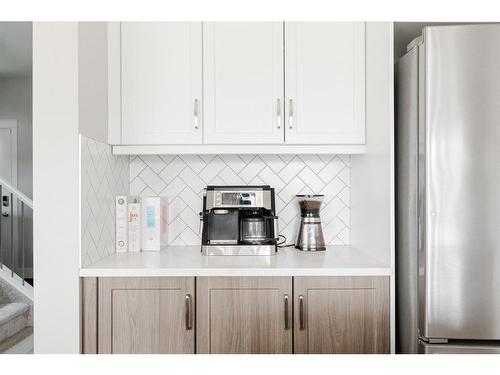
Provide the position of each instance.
(103, 176)
(182, 178)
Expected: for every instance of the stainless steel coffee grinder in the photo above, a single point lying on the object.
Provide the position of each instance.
(310, 236)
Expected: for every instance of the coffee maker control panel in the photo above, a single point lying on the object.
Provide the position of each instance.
(224, 199)
(234, 199)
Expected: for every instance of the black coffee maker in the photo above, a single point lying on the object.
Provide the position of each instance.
(239, 220)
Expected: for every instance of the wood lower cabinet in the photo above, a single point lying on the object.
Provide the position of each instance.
(244, 315)
(344, 315)
(146, 315)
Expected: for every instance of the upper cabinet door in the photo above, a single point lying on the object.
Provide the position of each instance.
(161, 66)
(243, 82)
(325, 83)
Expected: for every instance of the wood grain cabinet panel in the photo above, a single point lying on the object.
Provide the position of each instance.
(344, 315)
(236, 315)
(146, 315)
(89, 315)
(244, 315)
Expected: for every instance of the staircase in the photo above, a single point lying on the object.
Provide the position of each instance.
(16, 260)
(16, 316)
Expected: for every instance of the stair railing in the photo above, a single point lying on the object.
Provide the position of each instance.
(21, 231)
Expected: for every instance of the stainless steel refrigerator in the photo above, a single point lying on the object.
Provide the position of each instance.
(448, 191)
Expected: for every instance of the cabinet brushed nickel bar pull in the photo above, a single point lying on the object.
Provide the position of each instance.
(188, 315)
(196, 113)
(287, 317)
(301, 312)
(278, 113)
(290, 114)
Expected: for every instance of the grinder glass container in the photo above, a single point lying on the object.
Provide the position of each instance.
(310, 236)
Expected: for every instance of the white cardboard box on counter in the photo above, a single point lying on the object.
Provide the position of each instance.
(155, 223)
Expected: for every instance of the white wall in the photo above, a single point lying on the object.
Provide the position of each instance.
(93, 79)
(55, 187)
(372, 173)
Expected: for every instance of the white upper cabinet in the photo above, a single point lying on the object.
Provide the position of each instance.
(325, 83)
(161, 83)
(236, 87)
(243, 82)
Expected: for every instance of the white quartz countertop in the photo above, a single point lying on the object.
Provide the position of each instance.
(188, 261)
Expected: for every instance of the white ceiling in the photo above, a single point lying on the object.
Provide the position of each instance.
(15, 49)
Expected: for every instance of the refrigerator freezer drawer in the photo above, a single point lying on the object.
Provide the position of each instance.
(426, 348)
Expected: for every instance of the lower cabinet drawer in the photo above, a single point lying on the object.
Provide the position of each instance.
(244, 315)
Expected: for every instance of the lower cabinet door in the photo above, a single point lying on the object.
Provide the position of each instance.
(345, 315)
(146, 315)
(244, 315)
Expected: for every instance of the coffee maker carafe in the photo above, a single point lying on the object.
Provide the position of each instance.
(310, 236)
